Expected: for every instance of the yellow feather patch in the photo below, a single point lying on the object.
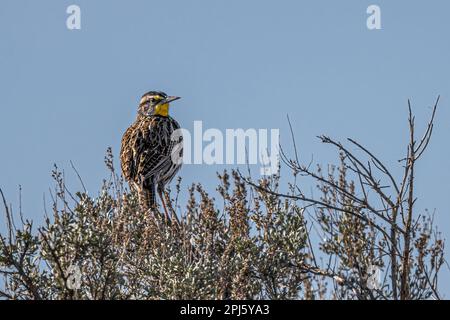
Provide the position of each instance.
(162, 110)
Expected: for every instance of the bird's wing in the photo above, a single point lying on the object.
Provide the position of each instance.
(127, 160)
(151, 149)
(146, 150)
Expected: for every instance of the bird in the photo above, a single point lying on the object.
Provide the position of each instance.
(151, 149)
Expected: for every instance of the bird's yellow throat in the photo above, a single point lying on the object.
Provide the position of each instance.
(162, 110)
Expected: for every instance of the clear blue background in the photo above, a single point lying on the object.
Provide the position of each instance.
(67, 95)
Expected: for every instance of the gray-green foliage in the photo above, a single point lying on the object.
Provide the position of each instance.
(251, 247)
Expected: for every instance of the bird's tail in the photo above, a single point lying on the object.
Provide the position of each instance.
(147, 198)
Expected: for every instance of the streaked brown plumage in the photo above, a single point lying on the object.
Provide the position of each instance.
(147, 149)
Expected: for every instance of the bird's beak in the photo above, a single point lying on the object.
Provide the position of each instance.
(170, 99)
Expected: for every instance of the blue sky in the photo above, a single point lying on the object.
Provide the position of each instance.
(68, 95)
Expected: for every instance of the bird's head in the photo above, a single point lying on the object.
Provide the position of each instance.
(155, 103)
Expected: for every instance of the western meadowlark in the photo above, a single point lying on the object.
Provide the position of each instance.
(150, 150)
